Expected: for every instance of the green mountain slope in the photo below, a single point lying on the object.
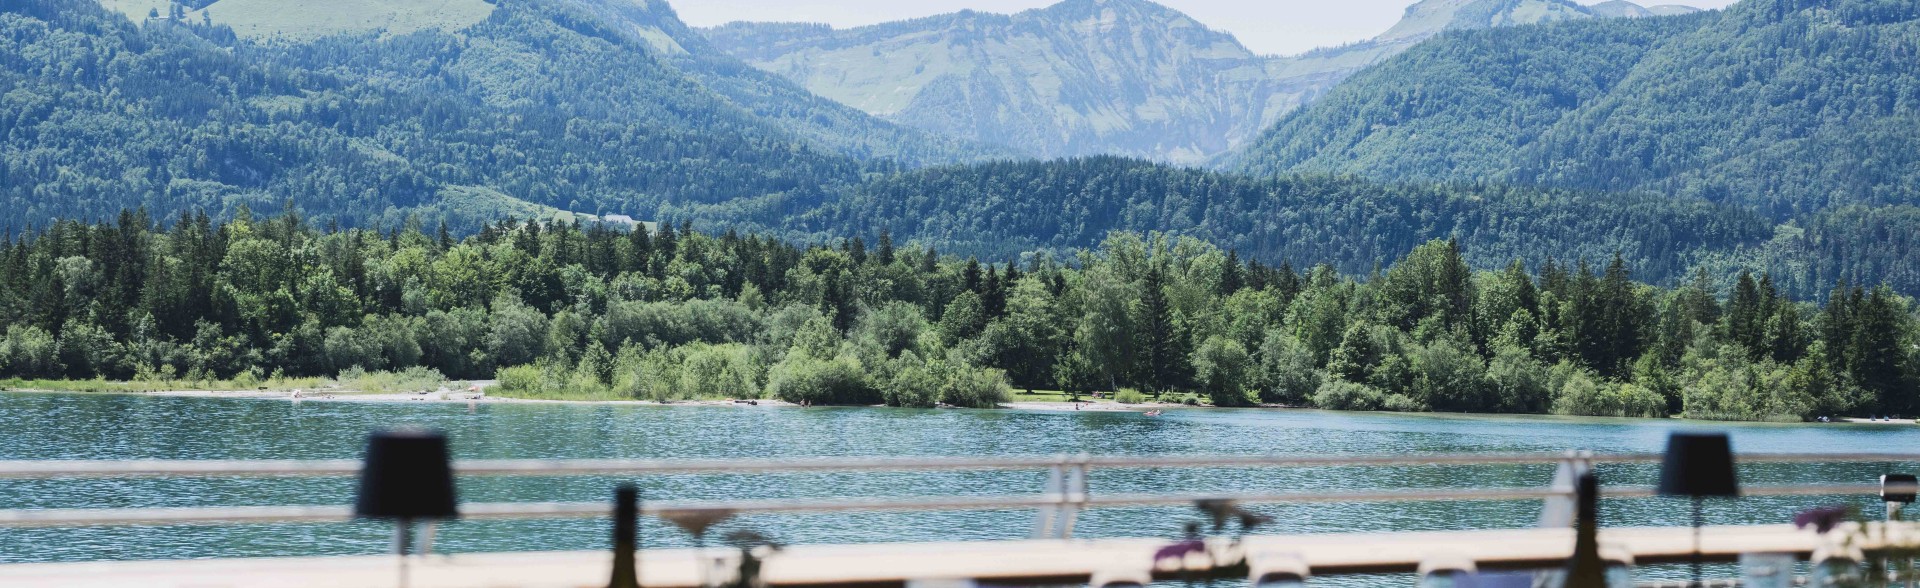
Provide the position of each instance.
(648, 24)
(573, 105)
(1002, 208)
(1083, 77)
(1790, 106)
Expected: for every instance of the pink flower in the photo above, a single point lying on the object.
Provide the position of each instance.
(1823, 518)
(1179, 550)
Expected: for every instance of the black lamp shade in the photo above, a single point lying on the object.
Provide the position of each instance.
(407, 475)
(1901, 488)
(1698, 465)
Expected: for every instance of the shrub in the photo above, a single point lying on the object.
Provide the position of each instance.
(1221, 365)
(521, 380)
(917, 383)
(892, 329)
(31, 352)
(1519, 383)
(1402, 403)
(974, 387)
(647, 375)
(1447, 376)
(1344, 395)
(1287, 371)
(912, 386)
(804, 380)
(1129, 396)
(552, 381)
(1582, 396)
(719, 371)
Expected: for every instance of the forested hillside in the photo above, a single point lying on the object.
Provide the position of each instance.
(1786, 106)
(1354, 225)
(551, 102)
(566, 311)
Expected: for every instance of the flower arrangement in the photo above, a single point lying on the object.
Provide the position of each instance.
(1220, 553)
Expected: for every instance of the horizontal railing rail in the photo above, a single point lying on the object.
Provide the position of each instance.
(595, 467)
(563, 510)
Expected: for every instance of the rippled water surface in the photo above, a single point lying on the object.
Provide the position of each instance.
(55, 426)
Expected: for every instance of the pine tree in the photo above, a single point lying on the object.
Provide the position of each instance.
(885, 254)
(1876, 354)
(639, 250)
(1157, 348)
(930, 262)
(1230, 276)
(1746, 318)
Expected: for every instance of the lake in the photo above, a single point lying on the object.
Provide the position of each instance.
(76, 426)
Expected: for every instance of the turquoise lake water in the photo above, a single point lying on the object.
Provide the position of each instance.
(73, 426)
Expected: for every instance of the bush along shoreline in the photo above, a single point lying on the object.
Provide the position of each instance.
(573, 311)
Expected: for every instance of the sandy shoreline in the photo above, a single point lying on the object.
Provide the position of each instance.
(463, 396)
(1884, 421)
(477, 395)
(467, 397)
(1085, 406)
(444, 397)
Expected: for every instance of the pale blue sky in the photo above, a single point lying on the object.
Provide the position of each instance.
(1282, 27)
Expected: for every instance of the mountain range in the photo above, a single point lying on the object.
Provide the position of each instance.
(1095, 77)
(1776, 135)
(596, 106)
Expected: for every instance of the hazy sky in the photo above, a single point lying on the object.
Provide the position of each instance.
(1266, 26)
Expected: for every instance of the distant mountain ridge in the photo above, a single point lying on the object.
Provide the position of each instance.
(1787, 106)
(651, 22)
(1087, 77)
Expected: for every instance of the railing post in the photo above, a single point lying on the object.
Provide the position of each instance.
(1559, 508)
(426, 537)
(1075, 497)
(1056, 486)
(1067, 485)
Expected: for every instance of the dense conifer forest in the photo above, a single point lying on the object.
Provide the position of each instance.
(594, 311)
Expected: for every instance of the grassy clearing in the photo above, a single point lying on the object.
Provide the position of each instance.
(240, 384)
(312, 20)
(308, 20)
(1020, 395)
(413, 379)
(597, 394)
(417, 379)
